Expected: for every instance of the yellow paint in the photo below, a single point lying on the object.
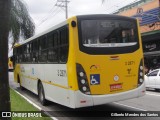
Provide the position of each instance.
(71, 64)
(10, 63)
(16, 72)
(105, 67)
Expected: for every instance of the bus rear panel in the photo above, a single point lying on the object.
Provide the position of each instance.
(109, 61)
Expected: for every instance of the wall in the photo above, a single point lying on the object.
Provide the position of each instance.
(148, 18)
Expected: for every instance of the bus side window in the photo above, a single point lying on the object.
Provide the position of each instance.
(20, 54)
(64, 44)
(50, 40)
(52, 50)
(24, 53)
(17, 55)
(55, 37)
(35, 51)
(55, 50)
(28, 53)
(14, 60)
(43, 49)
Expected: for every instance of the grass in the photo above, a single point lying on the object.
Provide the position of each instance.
(21, 105)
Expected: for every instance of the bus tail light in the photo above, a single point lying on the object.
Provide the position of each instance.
(82, 80)
(141, 73)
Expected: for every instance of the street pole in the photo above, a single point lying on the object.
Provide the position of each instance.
(66, 9)
(65, 5)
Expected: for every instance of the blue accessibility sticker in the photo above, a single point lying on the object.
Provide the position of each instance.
(95, 79)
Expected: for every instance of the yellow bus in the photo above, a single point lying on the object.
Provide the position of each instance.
(84, 61)
(10, 60)
(10, 64)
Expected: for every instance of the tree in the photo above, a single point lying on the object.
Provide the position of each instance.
(4, 31)
(20, 21)
(14, 17)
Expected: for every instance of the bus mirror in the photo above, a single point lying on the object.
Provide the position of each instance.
(73, 23)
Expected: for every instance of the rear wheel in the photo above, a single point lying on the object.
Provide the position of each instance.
(41, 94)
(157, 90)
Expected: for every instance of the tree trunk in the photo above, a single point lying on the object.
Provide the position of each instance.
(4, 31)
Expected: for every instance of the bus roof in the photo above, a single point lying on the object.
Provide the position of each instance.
(43, 33)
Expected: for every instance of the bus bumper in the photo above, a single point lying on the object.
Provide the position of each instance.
(82, 100)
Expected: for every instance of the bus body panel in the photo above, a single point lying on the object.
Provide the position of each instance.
(125, 67)
(71, 63)
(118, 76)
(56, 94)
(103, 99)
(53, 78)
(29, 76)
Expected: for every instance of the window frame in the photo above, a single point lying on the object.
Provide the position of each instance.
(36, 48)
(110, 50)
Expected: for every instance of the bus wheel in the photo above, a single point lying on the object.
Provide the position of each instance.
(21, 87)
(41, 94)
(157, 90)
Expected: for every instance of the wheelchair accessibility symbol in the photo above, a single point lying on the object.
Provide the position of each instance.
(94, 79)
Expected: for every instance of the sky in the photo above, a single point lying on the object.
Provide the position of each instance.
(46, 14)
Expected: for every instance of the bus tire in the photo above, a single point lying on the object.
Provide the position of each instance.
(21, 87)
(41, 94)
(157, 90)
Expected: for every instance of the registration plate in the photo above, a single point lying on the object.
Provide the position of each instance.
(114, 87)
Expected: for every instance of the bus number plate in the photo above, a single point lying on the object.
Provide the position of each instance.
(115, 87)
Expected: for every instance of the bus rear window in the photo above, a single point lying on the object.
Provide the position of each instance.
(108, 33)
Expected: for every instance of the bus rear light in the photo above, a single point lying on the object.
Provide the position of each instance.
(82, 80)
(141, 67)
(81, 74)
(141, 73)
(141, 80)
(114, 57)
(84, 88)
(83, 101)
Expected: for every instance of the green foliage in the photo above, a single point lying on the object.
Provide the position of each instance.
(20, 21)
(20, 104)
